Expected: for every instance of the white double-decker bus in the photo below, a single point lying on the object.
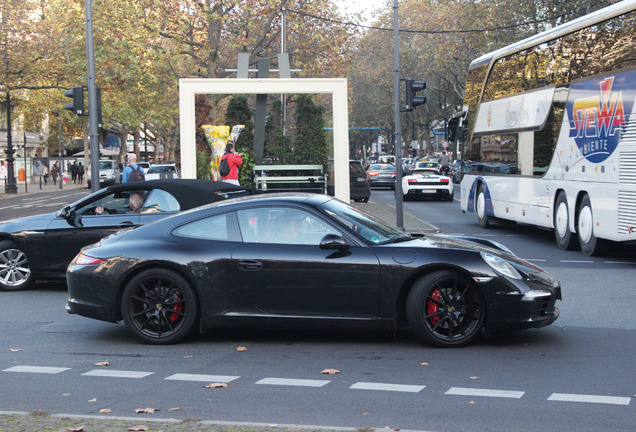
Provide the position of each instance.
(550, 131)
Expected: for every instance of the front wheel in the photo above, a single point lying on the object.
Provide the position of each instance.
(480, 208)
(159, 307)
(445, 309)
(15, 273)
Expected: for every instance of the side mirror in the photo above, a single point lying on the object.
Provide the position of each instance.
(335, 242)
(65, 212)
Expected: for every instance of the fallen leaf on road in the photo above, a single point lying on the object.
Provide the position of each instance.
(103, 363)
(15, 350)
(93, 400)
(174, 409)
(146, 410)
(330, 371)
(66, 394)
(423, 364)
(474, 377)
(472, 402)
(76, 429)
(241, 348)
(138, 428)
(215, 385)
(187, 356)
(105, 411)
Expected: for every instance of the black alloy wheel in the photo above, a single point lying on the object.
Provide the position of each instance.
(159, 307)
(15, 273)
(445, 309)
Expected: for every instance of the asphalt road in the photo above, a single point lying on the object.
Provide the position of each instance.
(575, 375)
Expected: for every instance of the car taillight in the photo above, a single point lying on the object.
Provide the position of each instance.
(443, 180)
(83, 259)
(412, 180)
(373, 174)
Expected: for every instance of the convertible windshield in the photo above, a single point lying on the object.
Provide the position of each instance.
(370, 228)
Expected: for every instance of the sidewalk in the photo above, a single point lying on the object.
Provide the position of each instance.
(37, 188)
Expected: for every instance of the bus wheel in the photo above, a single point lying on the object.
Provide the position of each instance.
(480, 208)
(590, 245)
(564, 237)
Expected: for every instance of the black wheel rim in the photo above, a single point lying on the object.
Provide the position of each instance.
(157, 307)
(452, 310)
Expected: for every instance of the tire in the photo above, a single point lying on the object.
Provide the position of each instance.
(15, 273)
(365, 200)
(590, 245)
(565, 239)
(159, 307)
(451, 196)
(480, 208)
(445, 309)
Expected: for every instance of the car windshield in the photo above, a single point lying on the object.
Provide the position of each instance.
(105, 165)
(161, 169)
(382, 167)
(371, 229)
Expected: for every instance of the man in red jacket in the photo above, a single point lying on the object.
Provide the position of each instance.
(234, 161)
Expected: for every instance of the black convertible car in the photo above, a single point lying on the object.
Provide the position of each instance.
(41, 247)
(307, 259)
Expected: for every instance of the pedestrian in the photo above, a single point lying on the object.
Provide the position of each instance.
(45, 174)
(444, 161)
(74, 170)
(54, 173)
(132, 172)
(234, 160)
(80, 173)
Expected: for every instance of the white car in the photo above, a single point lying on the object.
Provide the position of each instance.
(423, 182)
(162, 171)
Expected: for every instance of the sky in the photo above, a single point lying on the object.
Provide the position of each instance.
(367, 7)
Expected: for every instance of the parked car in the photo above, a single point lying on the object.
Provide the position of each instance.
(144, 166)
(109, 173)
(162, 171)
(40, 247)
(359, 185)
(310, 259)
(427, 182)
(382, 174)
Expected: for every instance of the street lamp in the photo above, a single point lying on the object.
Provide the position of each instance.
(10, 187)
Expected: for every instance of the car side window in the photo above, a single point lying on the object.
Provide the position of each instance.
(210, 228)
(160, 201)
(282, 225)
(115, 201)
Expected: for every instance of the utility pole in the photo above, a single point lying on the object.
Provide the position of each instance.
(92, 98)
(398, 126)
(10, 187)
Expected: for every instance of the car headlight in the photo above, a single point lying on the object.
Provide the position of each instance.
(500, 265)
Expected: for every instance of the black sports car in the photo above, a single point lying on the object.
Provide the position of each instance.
(41, 247)
(306, 259)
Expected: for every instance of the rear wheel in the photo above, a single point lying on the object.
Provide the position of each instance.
(564, 237)
(480, 208)
(590, 245)
(15, 273)
(445, 309)
(159, 307)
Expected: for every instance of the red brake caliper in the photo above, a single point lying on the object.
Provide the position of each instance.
(178, 307)
(431, 306)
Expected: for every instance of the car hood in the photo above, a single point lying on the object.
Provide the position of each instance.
(29, 222)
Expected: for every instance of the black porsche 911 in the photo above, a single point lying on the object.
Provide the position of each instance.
(41, 247)
(304, 259)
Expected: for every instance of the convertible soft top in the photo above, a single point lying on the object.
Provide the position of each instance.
(189, 192)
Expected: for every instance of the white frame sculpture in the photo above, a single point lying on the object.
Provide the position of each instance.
(337, 87)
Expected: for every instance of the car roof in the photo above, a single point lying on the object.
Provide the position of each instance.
(189, 192)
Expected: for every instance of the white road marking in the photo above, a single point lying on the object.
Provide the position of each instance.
(577, 261)
(618, 262)
(293, 382)
(36, 369)
(117, 373)
(462, 391)
(202, 378)
(534, 259)
(612, 400)
(387, 387)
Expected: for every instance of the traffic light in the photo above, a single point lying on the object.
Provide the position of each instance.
(412, 98)
(77, 106)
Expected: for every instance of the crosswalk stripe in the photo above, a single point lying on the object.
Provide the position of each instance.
(612, 400)
(36, 369)
(117, 373)
(202, 378)
(293, 382)
(387, 387)
(462, 391)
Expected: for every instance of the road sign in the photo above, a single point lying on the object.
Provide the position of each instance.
(445, 144)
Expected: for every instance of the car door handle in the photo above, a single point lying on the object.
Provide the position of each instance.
(250, 265)
(126, 224)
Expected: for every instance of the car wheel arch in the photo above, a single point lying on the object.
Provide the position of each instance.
(155, 265)
(401, 320)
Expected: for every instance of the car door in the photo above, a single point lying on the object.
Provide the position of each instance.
(284, 272)
(65, 236)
